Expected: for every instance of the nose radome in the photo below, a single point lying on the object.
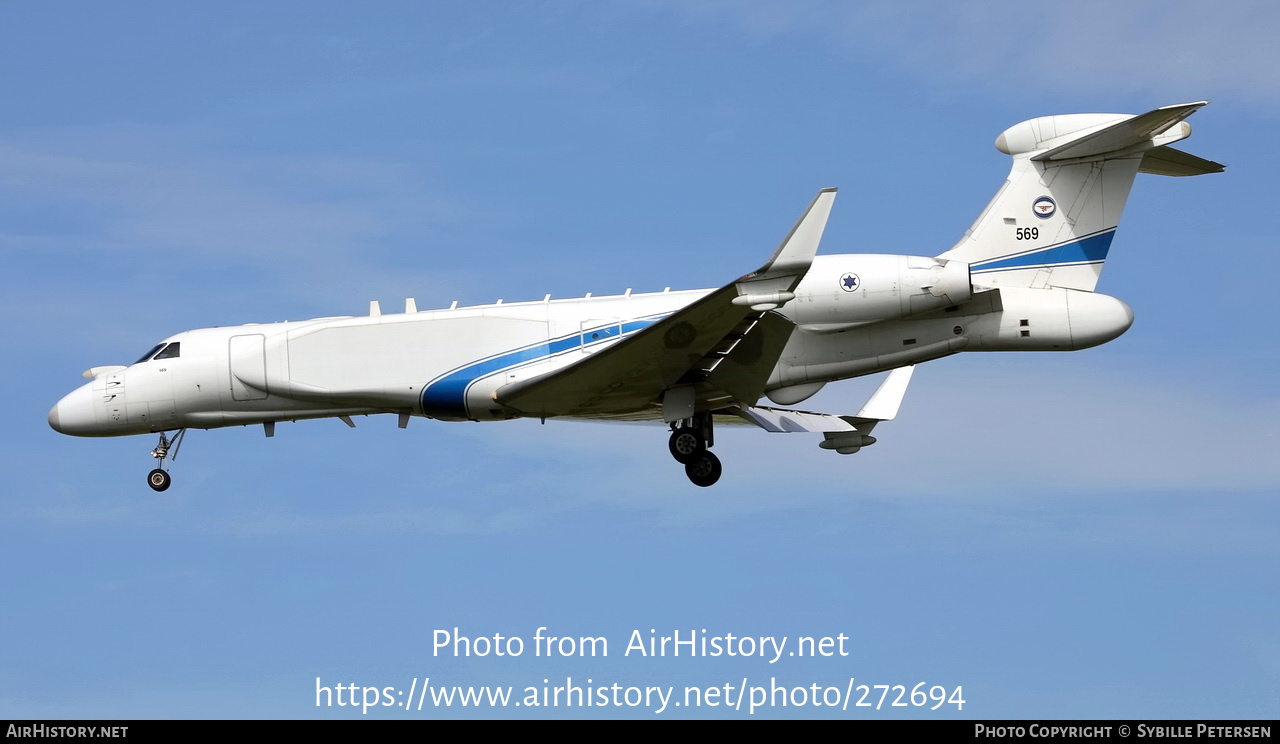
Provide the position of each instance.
(74, 414)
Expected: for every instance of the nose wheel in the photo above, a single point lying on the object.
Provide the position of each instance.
(690, 442)
(167, 449)
(158, 479)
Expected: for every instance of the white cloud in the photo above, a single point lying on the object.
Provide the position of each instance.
(1174, 49)
(242, 206)
(172, 207)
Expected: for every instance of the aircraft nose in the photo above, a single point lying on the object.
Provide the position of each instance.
(74, 413)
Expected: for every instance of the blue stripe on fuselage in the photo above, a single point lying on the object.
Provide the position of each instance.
(1092, 248)
(448, 394)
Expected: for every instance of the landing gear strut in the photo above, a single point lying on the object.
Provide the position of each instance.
(689, 444)
(159, 479)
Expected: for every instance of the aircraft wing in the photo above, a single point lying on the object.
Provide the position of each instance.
(715, 352)
(844, 434)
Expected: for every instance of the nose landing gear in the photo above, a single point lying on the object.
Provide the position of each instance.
(689, 444)
(159, 479)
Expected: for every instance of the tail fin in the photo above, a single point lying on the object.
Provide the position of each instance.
(1051, 223)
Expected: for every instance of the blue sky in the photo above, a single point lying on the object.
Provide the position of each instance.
(1065, 535)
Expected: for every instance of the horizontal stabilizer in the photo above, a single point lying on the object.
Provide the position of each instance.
(1167, 161)
(1125, 134)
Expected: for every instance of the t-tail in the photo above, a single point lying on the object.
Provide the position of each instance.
(1051, 223)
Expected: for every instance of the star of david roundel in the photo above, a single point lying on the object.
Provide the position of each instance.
(850, 282)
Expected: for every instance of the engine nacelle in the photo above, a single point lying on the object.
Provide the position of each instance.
(866, 287)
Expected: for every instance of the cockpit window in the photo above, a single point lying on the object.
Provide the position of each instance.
(172, 351)
(149, 354)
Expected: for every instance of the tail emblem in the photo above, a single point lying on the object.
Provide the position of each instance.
(1044, 207)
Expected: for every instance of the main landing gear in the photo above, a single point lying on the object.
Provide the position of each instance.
(159, 479)
(691, 440)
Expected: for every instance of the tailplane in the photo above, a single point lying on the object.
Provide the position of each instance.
(1051, 223)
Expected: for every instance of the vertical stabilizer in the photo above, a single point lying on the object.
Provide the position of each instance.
(1051, 223)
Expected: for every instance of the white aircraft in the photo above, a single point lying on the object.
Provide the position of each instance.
(1021, 279)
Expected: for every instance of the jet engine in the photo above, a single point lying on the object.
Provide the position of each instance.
(853, 289)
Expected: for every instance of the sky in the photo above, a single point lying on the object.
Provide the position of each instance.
(1060, 535)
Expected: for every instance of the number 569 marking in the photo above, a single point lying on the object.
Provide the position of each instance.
(1027, 233)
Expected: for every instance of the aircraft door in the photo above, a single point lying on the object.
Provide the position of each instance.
(248, 367)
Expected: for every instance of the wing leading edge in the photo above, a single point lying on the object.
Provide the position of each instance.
(713, 353)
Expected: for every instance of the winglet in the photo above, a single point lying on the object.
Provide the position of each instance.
(885, 401)
(883, 406)
(797, 250)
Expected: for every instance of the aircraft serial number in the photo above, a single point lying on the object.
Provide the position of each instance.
(1027, 233)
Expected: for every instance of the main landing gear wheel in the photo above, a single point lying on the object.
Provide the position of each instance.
(685, 444)
(690, 444)
(158, 479)
(703, 469)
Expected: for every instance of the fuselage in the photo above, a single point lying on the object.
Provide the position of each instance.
(854, 314)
